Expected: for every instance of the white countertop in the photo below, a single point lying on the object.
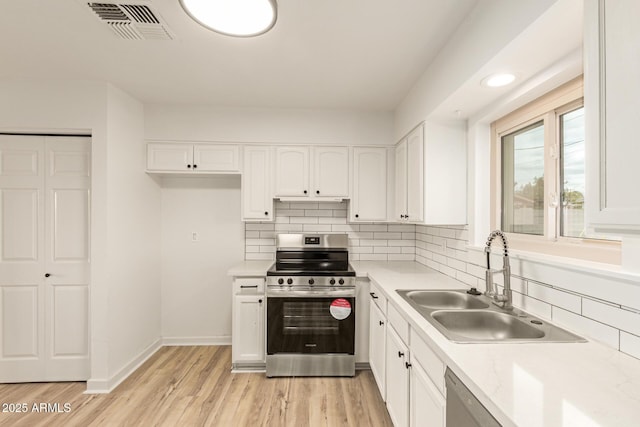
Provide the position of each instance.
(250, 268)
(546, 384)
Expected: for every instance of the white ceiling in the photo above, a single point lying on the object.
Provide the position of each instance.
(341, 54)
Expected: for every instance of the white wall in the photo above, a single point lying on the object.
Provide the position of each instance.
(125, 206)
(201, 123)
(196, 291)
(490, 26)
(133, 242)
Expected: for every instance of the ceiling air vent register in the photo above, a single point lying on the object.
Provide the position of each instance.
(132, 21)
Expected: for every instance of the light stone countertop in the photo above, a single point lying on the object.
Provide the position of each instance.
(546, 384)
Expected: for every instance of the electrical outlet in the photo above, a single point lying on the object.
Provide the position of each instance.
(194, 237)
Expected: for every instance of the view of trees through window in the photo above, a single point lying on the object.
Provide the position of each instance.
(523, 180)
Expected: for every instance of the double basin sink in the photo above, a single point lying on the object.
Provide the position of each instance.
(466, 318)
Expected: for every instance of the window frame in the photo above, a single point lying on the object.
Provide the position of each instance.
(548, 108)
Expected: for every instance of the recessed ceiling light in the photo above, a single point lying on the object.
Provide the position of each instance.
(240, 18)
(498, 80)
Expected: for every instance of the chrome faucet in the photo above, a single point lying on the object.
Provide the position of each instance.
(506, 298)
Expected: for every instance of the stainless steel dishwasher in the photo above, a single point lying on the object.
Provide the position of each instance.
(463, 408)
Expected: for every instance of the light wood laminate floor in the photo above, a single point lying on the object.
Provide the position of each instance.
(193, 386)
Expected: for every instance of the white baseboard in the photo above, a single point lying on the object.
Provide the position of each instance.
(101, 386)
(179, 341)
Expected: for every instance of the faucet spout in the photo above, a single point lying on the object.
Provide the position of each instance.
(506, 298)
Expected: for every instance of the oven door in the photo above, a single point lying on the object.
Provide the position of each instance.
(310, 324)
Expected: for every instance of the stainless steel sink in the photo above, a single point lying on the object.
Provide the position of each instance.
(465, 318)
(486, 325)
(440, 300)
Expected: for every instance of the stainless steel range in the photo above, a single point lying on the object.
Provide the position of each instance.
(311, 303)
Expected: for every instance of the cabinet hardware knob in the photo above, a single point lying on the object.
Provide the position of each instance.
(189, 166)
(195, 166)
(381, 322)
(357, 215)
(407, 365)
(260, 301)
(266, 213)
(317, 191)
(400, 354)
(305, 191)
(47, 275)
(406, 217)
(373, 295)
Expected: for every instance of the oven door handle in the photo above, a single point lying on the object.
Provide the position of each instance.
(311, 293)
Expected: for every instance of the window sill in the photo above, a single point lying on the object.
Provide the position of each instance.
(596, 268)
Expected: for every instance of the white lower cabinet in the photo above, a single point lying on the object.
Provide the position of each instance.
(427, 406)
(408, 372)
(397, 358)
(377, 339)
(248, 328)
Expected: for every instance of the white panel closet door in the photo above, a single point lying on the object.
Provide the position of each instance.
(44, 258)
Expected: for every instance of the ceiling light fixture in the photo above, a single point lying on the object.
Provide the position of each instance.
(239, 18)
(498, 80)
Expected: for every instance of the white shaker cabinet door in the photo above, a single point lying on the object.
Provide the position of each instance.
(612, 114)
(330, 172)
(415, 176)
(169, 157)
(292, 172)
(397, 379)
(369, 194)
(248, 340)
(257, 200)
(377, 338)
(216, 158)
(401, 181)
(427, 405)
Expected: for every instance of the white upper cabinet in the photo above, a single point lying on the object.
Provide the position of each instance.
(302, 171)
(612, 111)
(257, 199)
(292, 172)
(431, 175)
(369, 188)
(330, 171)
(169, 157)
(409, 185)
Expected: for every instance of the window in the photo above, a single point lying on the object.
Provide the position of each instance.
(539, 178)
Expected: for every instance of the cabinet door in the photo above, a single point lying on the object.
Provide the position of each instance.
(331, 172)
(292, 171)
(611, 88)
(415, 175)
(377, 337)
(426, 405)
(257, 201)
(248, 333)
(169, 157)
(397, 379)
(401, 181)
(216, 158)
(369, 198)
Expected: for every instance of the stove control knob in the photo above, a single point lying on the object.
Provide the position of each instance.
(311, 281)
(341, 281)
(280, 281)
(332, 281)
(289, 281)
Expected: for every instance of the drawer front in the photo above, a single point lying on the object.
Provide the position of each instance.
(433, 366)
(378, 297)
(399, 324)
(248, 285)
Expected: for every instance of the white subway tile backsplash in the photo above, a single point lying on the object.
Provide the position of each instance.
(625, 320)
(541, 290)
(303, 205)
(318, 212)
(290, 212)
(318, 228)
(582, 325)
(630, 344)
(339, 213)
(552, 296)
(303, 220)
(332, 205)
